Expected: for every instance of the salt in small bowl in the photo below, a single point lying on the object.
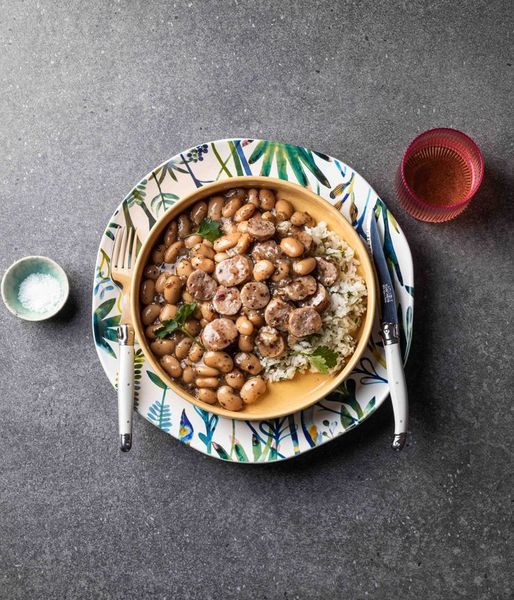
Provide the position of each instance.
(18, 272)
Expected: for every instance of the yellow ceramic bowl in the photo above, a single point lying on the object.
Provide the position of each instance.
(284, 397)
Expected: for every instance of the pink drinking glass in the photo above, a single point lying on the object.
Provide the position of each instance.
(440, 172)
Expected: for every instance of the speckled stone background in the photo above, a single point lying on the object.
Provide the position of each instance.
(92, 96)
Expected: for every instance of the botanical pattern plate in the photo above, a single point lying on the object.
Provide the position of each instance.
(286, 437)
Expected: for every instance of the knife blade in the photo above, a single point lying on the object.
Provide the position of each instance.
(390, 332)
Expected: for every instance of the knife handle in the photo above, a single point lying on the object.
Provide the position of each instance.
(125, 387)
(398, 391)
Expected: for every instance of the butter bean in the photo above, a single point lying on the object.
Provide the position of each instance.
(171, 254)
(255, 318)
(193, 240)
(227, 241)
(244, 213)
(162, 347)
(171, 234)
(150, 331)
(253, 389)
(171, 365)
(205, 371)
(219, 360)
(253, 196)
(243, 244)
(203, 263)
(196, 353)
(267, 199)
(284, 208)
(198, 212)
(151, 272)
(208, 396)
(244, 326)
(158, 254)
(168, 312)
(203, 250)
(229, 399)
(161, 282)
(299, 218)
(305, 266)
(231, 207)
(184, 269)
(214, 207)
(263, 269)
(245, 343)
(183, 347)
(193, 327)
(172, 289)
(150, 313)
(235, 379)
(221, 256)
(291, 246)
(147, 291)
(207, 382)
(188, 375)
(183, 226)
(208, 312)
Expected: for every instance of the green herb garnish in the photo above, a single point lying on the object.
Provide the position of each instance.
(177, 324)
(322, 359)
(209, 229)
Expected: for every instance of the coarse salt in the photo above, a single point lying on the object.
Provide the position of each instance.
(40, 292)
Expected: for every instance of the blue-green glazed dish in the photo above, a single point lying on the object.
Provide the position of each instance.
(19, 271)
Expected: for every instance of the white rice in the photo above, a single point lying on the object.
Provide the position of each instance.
(341, 320)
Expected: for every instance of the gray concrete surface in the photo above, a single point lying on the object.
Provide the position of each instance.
(94, 94)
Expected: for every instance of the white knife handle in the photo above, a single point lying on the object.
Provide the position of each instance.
(125, 387)
(398, 390)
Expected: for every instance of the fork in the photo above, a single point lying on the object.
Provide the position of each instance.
(122, 265)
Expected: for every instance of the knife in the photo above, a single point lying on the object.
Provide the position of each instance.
(390, 332)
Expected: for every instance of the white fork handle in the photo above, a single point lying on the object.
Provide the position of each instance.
(398, 390)
(125, 393)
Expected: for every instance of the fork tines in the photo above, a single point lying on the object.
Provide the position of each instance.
(125, 248)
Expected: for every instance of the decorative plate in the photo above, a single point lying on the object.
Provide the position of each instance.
(286, 437)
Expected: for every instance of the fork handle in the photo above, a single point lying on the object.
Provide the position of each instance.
(125, 386)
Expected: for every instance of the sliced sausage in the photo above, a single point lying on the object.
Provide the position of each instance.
(226, 300)
(219, 334)
(320, 301)
(255, 295)
(233, 271)
(261, 229)
(269, 342)
(201, 285)
(269, 250)
(304, 321)
(300, 288)
(277, 313)
(327, 272)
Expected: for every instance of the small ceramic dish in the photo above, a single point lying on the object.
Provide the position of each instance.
(19, 271)
(284, 397)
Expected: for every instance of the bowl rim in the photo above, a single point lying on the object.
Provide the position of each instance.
(57, 267)
(205, 191)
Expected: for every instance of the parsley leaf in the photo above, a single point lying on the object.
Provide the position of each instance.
(168, 327)
(184, 312)
(322, 359)
(172, 325)
(209, 229)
